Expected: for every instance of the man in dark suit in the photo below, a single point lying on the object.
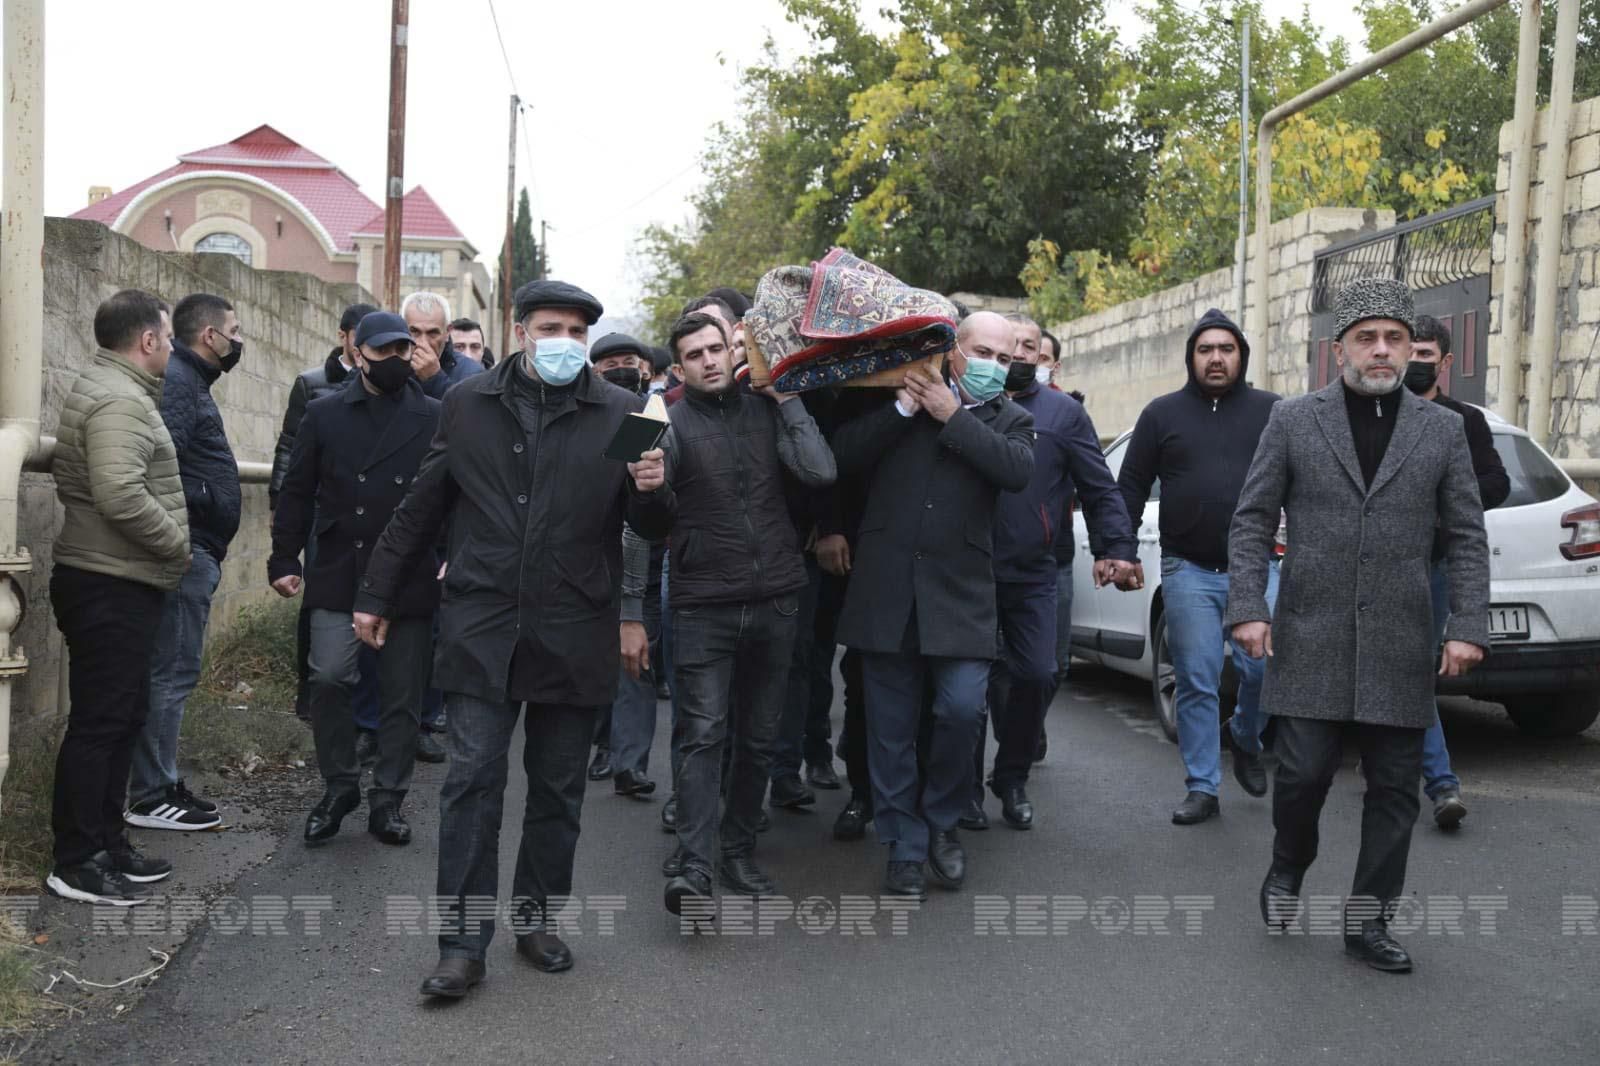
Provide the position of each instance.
(921, 603)
(354, 457)
(1367, 474)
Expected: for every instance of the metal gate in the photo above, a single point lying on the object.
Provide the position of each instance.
(1444, 258)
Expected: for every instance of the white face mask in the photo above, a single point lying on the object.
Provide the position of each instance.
(1041, 374)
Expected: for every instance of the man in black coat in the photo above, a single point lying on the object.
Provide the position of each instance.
(736, 579)
(531, 615)
(921, 603)
(438, 366)
(354, 457)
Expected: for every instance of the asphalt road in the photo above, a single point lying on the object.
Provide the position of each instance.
(1045, 955)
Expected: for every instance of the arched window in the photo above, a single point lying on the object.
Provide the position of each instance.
(227, 244)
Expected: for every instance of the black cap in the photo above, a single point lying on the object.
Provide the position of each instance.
(353, 315)
(616, 344)
(660, 358)
(380, 328)
(537, 294)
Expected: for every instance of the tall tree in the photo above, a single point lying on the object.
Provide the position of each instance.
(524, 249)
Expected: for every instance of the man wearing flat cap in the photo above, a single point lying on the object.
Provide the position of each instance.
(621, 360)
(1367, 474)
(530, 618)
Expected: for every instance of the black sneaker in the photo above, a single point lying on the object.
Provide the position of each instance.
(183, 796)
(95, 881)
(169, 813)
(134, 865)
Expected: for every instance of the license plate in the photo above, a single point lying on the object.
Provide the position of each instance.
(1508, 623)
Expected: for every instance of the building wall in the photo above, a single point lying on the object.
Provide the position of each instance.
(1124, 356)
(454, 283)
(1575, 412)
(290, 321)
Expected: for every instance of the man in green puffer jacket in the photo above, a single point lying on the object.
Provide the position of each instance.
(124, 544)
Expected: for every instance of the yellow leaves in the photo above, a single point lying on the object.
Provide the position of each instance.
(1434, 138)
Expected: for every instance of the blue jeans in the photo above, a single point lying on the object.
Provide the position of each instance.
(1063, 622)
(1196, 600)
(174, 672)
(908, 810)
(1437, 776)
(555, 756)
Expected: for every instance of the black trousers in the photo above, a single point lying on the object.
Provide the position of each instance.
(1309, 753)
(110, 625)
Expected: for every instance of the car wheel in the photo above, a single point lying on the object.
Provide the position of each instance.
(1562, 714)
(1163, 679)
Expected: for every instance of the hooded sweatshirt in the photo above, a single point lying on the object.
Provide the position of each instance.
(1200, 447)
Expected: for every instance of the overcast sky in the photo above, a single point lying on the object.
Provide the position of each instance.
(621, 94)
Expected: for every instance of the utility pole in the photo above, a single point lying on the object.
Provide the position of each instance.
(395, 187)
(544, 256)
(506, 256)
(1240, 274)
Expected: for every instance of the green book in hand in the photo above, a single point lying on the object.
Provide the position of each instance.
(639, 432)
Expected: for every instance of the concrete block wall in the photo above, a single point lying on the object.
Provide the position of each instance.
(290, 321)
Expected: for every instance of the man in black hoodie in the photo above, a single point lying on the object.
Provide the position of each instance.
(1199, 442)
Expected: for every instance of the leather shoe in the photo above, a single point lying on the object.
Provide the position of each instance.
(789, 791)
(600, 767)
(452, 977)
(389, 825)
(428, 749)
(1247, 768)
(852, 821)
(692, 885)
(366, 747)
(822, 775)
(323, 821)
(669, 814)
(973, 817)
(740, 875)
(1375, 947)
(1280, 896)
(545, 950)
(672, 865)
(632, 783)
(1195, 808)
(947, 859)
(1015, 808)
(905, 879)
(1448, 810)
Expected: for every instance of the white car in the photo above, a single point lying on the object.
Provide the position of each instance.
(1544, 615)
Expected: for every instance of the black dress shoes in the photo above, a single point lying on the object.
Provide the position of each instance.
(672, 865)
(452, 977)
(389, 825)
(428, 749)
(905, 879)
(600, 767)
(947, 859)
(1280, 897)
(789, 791)
(974, 817)
(822, 775)
(323, 821)
(740, 875)
(1195, 808)
(545, 950)
(1448, 810)
(852, 821)
(1015, 808)
(669, 814)
(1375, 947)
(1247, 768)
(632, 783)
(692, 887)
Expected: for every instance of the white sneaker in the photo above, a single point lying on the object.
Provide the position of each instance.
(167, 814)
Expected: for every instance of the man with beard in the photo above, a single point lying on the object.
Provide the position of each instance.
(1368, 474)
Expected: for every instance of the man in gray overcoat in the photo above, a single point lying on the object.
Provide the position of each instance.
(1366, 472)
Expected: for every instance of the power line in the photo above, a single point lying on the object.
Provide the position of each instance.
(640, 200)
(505, 55)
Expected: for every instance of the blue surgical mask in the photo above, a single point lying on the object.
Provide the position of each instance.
(558, 360)
(983, 379)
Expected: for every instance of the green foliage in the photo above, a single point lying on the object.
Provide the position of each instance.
(524, 249)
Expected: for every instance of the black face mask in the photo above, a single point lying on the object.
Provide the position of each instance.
(235, 353)
(1019, 376)
(389, 375)
(1420, 377)
(626, 377)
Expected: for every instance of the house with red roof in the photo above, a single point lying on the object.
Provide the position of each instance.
(277, 205)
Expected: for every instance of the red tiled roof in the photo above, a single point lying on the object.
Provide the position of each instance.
(420, 217)
(324, 190)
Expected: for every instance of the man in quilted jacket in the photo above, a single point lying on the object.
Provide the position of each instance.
(123, 547)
